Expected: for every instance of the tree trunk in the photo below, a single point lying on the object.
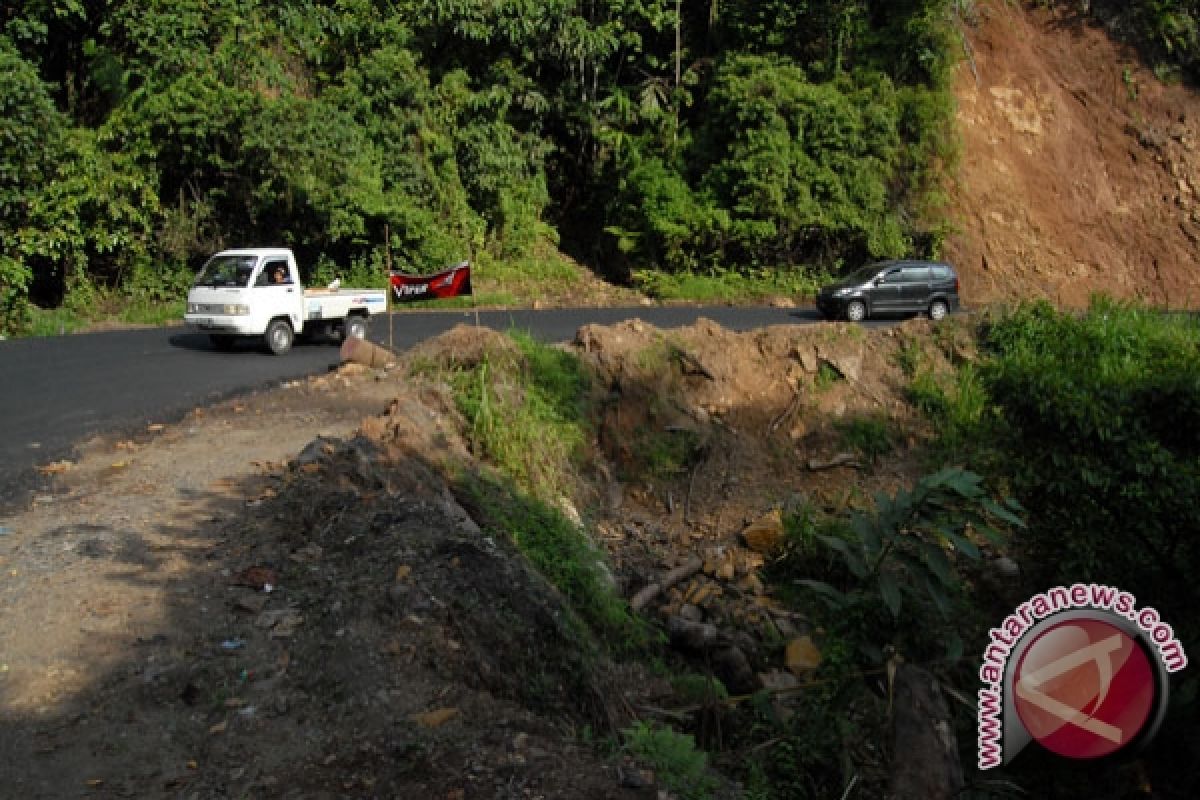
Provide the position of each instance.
(925, 764)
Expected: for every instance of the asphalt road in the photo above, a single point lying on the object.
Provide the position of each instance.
(57, 391)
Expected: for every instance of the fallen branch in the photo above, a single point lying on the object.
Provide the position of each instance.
(690, 364)
(680, 573)
(840, 460)
(787, 412)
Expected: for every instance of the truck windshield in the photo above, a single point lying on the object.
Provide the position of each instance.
(226, 271)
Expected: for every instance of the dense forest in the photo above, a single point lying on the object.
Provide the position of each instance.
(682, 136)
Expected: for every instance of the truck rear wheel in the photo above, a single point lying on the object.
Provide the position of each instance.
(279, 336)
(355, 327)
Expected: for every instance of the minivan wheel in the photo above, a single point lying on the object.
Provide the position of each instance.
(937, 310)
(856, 311)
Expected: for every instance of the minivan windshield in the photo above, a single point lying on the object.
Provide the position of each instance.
(864, 274)
(229, 270)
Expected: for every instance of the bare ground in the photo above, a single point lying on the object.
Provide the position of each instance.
(399, 650)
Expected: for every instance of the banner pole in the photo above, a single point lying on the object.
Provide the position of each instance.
(471, 265)
(387, 287)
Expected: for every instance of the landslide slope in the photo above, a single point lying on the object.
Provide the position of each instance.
(1079, 167)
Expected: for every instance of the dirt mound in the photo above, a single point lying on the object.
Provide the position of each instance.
(708, 434)
(1079, 166)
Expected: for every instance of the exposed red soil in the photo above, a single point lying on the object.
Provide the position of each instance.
(1079, 166)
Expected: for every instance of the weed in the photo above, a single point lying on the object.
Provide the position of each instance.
(827, 376)
(563, 553)
(926, 394)
(677, 764)
(662, 453)
(695, 689)
(871, 436)
(910, 358)
(527, 417)
(899, 556)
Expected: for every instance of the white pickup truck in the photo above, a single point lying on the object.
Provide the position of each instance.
(257, 292)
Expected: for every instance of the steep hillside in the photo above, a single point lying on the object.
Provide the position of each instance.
(1079, 169)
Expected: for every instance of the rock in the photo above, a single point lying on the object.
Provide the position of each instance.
(316, 449)
(802, 655)
(778, 681)
(765, 535)
(435, 718)
(632, 778)
(250, 603)
(689, 635)
(845, 357)
(691, 613)
(733, 668)
(1005, 567)
(808, 358)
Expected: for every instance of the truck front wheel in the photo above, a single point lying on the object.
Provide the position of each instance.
(279, 336)
(355, 327)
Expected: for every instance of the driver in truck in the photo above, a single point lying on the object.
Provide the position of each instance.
(279, 275)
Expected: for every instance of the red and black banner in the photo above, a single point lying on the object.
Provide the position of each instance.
(439, 286)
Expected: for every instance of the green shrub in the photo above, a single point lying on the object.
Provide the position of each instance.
(1097, 432)
(673, 756)
(871, 436)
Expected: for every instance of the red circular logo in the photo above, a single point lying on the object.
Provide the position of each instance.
(1084, 688)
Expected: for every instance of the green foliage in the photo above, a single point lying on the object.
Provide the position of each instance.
(677, 763)
(827, 376)
(870, 435)
(526, 414)
(698, 689)
(563, 553)
(662, 453)
(1096, 431)
(901, 557)
(1166, 31)
(811, 752)
(765, 143)
(801, 165)
(728, 285)
(30, 131)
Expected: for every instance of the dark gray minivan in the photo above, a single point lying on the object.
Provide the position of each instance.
(892, 287)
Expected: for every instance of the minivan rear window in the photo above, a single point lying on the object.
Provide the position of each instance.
(915, 275)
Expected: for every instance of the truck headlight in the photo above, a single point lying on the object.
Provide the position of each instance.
(237, 309)
(193, 308)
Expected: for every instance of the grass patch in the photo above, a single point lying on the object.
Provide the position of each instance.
(527, 415)
(729, 285)
(661, 453)
(694, 689)
(827, 376)
(564, 554)
(871, 435)
(677, 763)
